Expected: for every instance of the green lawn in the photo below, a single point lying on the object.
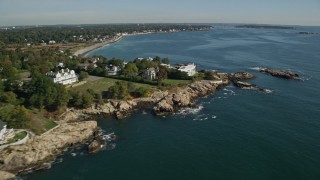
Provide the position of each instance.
(175, 82)
(17, 137)
(103, 85)
(38, 120)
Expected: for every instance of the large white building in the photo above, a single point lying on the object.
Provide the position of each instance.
(188, 68)
(64, 76)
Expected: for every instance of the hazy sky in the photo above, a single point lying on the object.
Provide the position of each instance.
(43, 12)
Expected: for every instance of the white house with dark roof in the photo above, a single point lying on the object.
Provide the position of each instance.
(113, 70)
(64, 76)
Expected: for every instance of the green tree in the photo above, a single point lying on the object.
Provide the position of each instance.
(2, 45)
(8, 97)
(15, 117)
(116, 62)
(87, 99)
(142, 92)
(76, 99)
(83, 75)
(7, 70)
(119, 90)
(157, 59)
(130, 70)
(46, 94)
(165, 61)
(162, 73)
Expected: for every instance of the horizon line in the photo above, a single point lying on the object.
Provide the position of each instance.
(123, 23)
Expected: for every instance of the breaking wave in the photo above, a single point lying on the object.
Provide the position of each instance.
(186, 111)
(204, 117)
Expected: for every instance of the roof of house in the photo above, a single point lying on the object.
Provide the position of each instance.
(2, 124)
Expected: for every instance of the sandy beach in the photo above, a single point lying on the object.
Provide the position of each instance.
(85, 50)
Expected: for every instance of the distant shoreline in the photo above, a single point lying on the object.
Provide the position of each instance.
(84, 51)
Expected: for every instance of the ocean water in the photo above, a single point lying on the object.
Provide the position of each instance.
(234, 134)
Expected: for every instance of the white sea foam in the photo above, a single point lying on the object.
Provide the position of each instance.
(256, 68)
(230, 91)
(186, 111)
(202, 117)
(306, 78)
(268, 91)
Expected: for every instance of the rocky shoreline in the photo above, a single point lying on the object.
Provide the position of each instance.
(161, 102)
(73, 129)
(40, 150)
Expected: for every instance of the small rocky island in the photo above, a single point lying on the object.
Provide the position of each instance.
(280, 73)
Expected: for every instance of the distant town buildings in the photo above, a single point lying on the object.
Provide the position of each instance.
(64, 76)
(149, 59)
(188, 68)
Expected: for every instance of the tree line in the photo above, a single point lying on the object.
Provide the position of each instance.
(68, 33)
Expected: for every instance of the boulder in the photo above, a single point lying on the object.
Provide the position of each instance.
(181, 99)
(124, 106)
(6, 175)
(95, 146)
(241, 84)
(241, 76)
(120, 115)
(163, 107)
(157, 96)
(108, 108)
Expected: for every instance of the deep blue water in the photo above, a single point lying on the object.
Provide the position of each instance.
(236, 134)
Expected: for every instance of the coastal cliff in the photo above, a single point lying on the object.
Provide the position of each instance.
(184, 97)
(40, 150)
(161, 101)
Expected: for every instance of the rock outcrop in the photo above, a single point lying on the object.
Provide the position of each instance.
(246, 85)
(183, 97)
(41, 149)
(239, 76)
(6, 175)
(95, 146)
(280, 73)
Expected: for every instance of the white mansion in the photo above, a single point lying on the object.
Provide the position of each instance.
(188, 68)
(64, 76)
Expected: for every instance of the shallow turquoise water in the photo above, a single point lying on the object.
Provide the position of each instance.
(236, 134)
